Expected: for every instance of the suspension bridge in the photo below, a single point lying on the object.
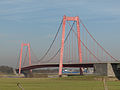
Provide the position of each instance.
(73, 46)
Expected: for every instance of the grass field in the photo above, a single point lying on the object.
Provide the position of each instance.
(68, 83)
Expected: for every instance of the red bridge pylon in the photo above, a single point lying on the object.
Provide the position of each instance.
(21, 51)
(63, 38)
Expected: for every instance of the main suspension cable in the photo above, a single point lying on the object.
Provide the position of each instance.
(98, 43)
(52, 42)
(64, 41)
(85, 45)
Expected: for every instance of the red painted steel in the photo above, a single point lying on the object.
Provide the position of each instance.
(20, 63)
(20, 58)
(72, 47)
(79, 40)
(69, 51)
(62, 46)
(86, 49)
(98, 43)
(63, 37)
(89, 52)
(90, 49)
(29, 55)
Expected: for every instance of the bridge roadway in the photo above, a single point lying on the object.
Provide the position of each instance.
(56, 65)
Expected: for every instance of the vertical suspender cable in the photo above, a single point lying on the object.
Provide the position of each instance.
(69, 50)
(86, 49)
(72, 48)
(98, 43)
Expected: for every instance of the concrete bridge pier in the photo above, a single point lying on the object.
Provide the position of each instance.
(107, 69)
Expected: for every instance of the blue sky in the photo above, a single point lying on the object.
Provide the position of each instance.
(35, 21)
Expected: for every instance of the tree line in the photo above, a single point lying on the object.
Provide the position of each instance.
(6, 70)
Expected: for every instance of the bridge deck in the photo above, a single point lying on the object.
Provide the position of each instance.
(56, 65)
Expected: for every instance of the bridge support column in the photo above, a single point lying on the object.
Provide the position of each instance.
(20, 63)
(62, 42)
(20, 58)
(62, 47)
(79, 40)
(81, 71)
(107, 69)
(79, 44)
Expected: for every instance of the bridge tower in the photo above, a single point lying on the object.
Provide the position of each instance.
(21, 51)
(63, 38)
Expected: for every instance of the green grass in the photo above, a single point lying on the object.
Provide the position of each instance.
(69, 83)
